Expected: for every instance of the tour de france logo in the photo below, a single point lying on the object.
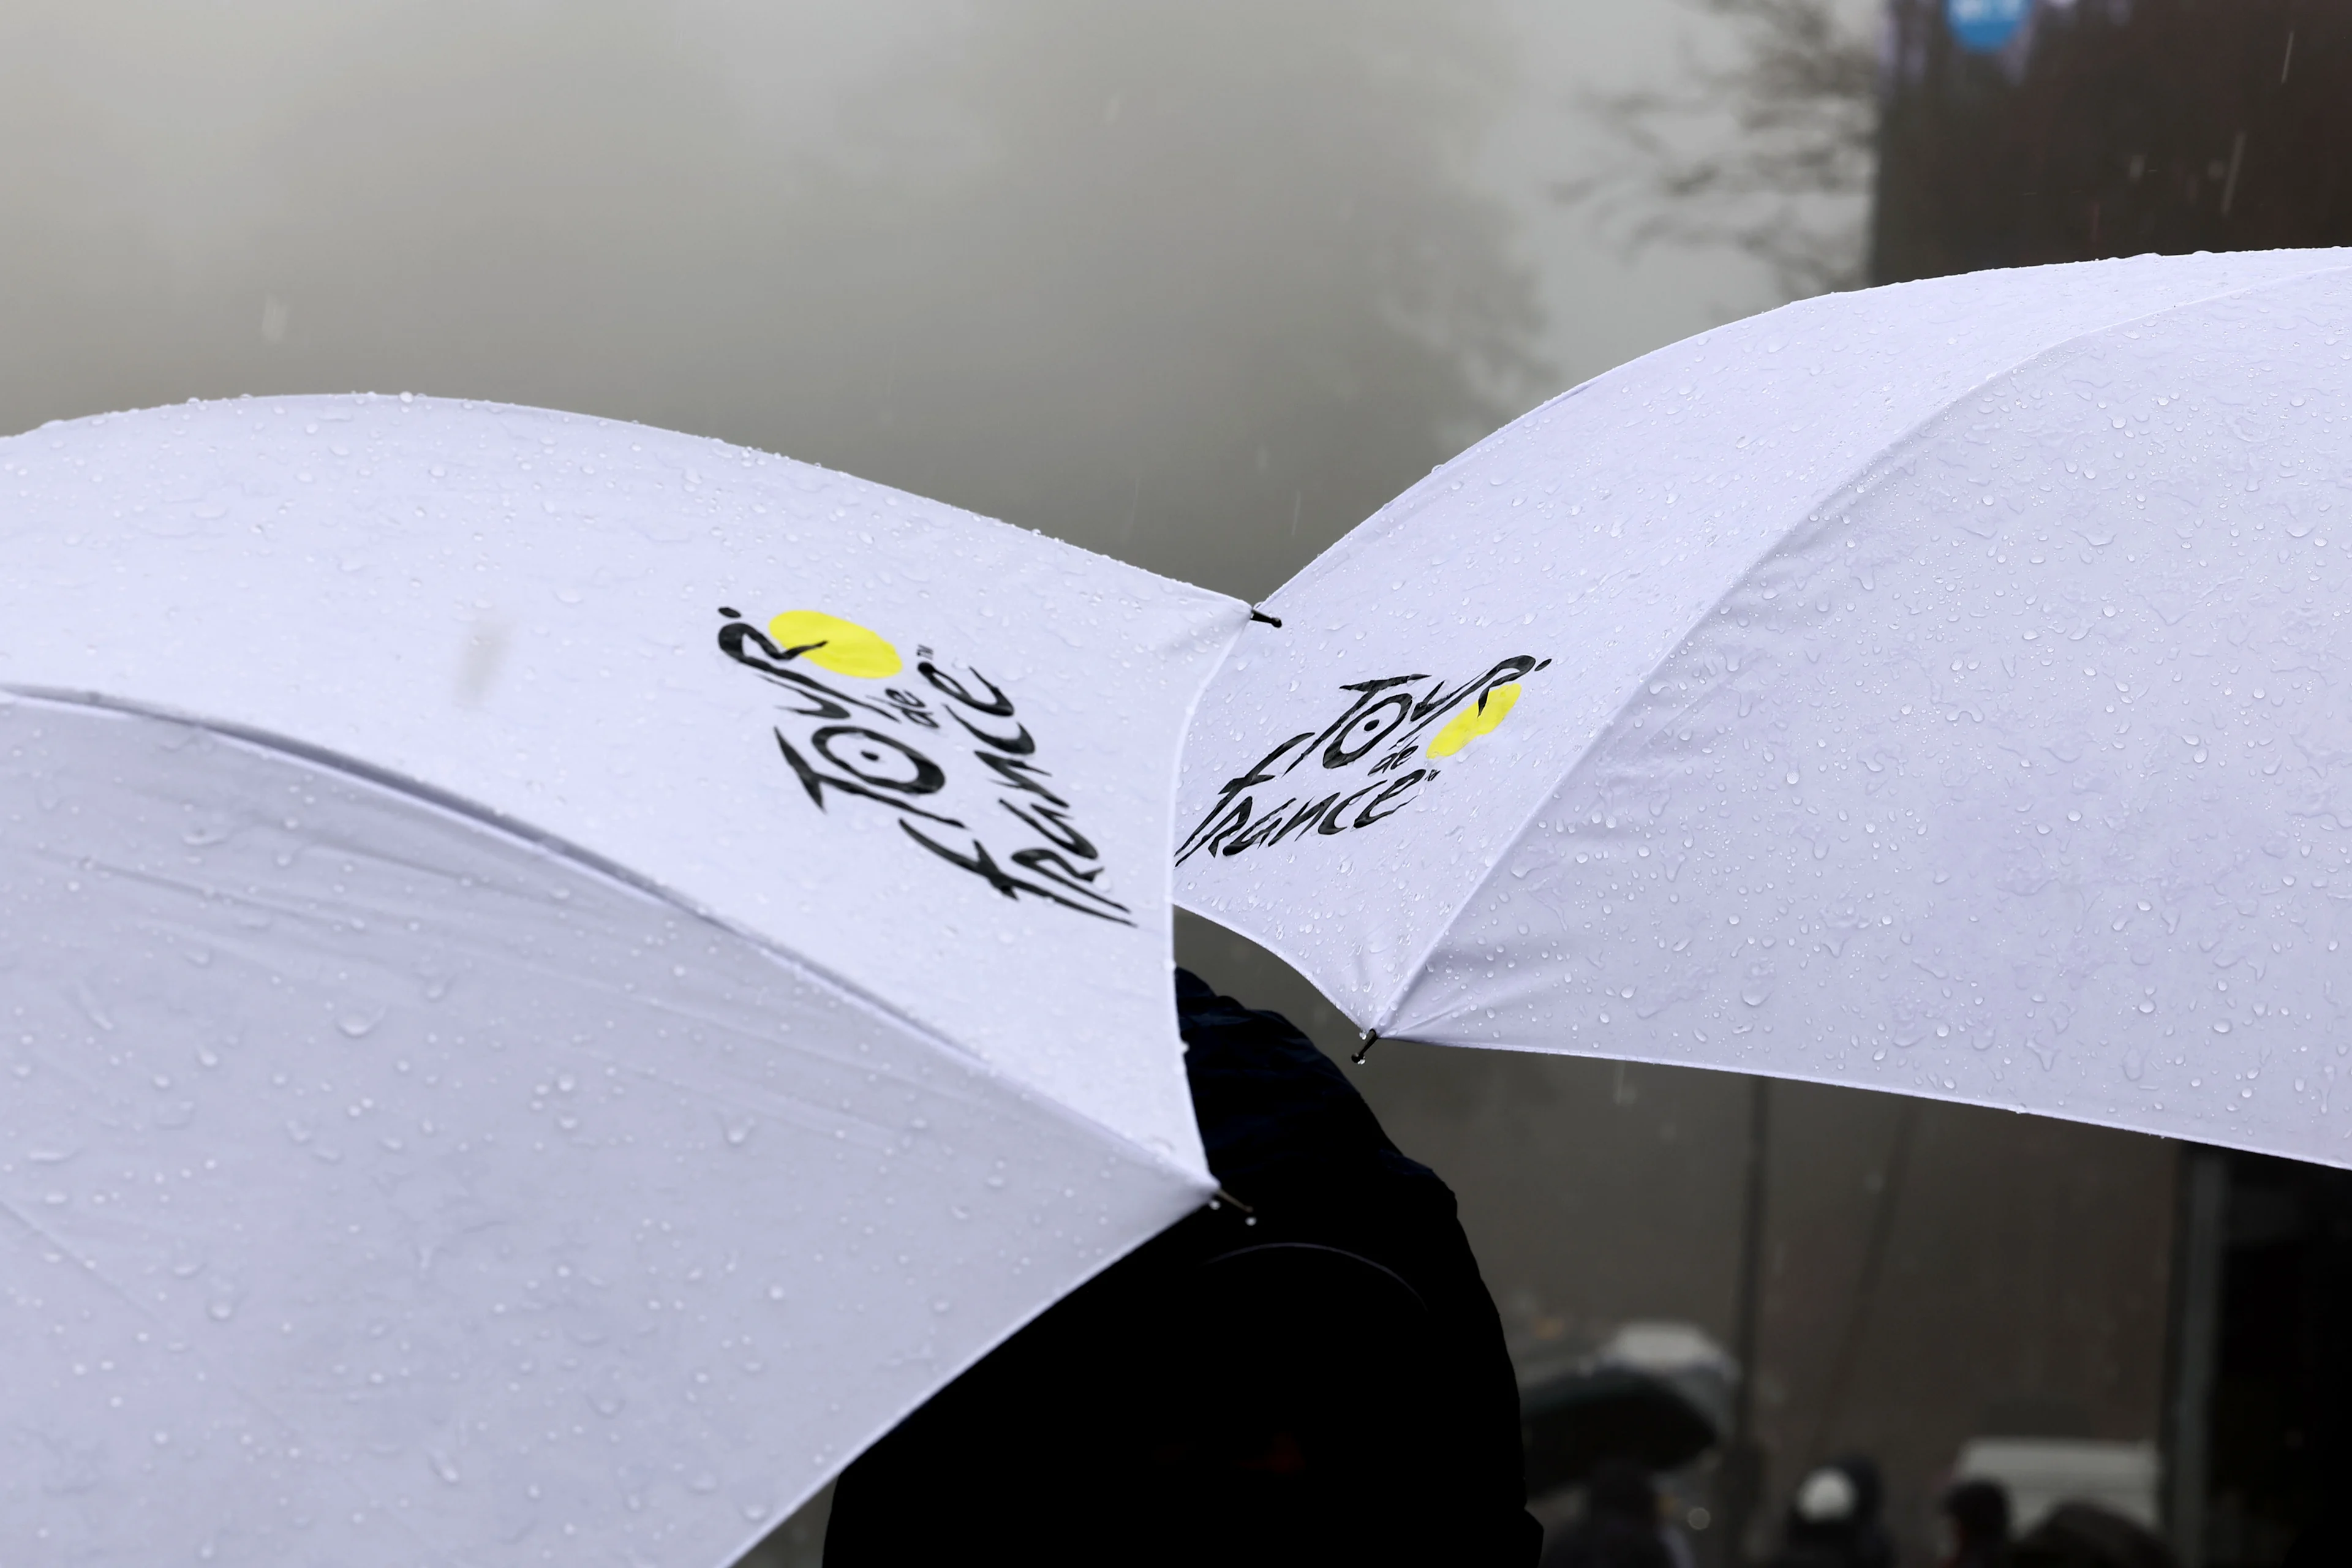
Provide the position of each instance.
(1368, 756)
(889, 747)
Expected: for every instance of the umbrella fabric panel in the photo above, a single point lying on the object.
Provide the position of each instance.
(382, 1185)
(941, 776)
(2022, 774)
(1566, 557)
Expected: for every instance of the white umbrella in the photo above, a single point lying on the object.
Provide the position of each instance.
(555, 978)
(1939, 689)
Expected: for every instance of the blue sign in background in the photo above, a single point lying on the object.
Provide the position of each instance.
(1986, 24)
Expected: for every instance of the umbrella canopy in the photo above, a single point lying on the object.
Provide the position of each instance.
(558, 977)
(1576, 1419)
(1936, 688)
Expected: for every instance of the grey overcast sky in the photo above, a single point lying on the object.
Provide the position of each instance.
(1199, 284)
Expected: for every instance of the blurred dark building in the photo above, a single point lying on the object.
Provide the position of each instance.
(2020, 131)
(2261, 1438)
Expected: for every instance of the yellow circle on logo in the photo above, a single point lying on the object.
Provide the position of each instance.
(1475, 720)
(831, 643)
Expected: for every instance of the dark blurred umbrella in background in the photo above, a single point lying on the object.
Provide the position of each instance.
(2085, 1535)
(1576, 1419)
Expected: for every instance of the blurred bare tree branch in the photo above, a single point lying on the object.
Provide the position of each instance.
(1771, 152)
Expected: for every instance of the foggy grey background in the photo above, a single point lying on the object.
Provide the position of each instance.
(1199, 283)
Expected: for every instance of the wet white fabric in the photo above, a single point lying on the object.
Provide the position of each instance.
(520, 608)
(516, 913)
(383, 1188)
(1927, 689)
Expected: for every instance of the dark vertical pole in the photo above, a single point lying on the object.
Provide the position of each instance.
(1874, 1248)
(2195, 1345)
(1743, 1471)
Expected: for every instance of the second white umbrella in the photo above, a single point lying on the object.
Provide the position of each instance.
(1936, 689)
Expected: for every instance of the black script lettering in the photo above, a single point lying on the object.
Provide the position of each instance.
(1371, 727)
(1016, 773)
(911, 706)
(1367, 816)
(983, 865)
(1304, 817)
(1267, 826)
(735, 634)
(1020, 745)
(1336, 821)
(1388, 717)
(1060, 834)
(828, 703)
(1044, 863)
(816, 783)
(874, 759)
(1257, 774)
(1367, 692)
(1504, 672)
(1233, 821)
(843, 755)
(998, 704)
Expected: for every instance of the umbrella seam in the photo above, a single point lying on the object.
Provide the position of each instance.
(553, 972)
(549, 971)
(2213, 1129)
(590, 860)
(833, 1472)
(367, 1499)
(1175, 784)
(1397, 504)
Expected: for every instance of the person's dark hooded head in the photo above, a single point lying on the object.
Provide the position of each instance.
(1321, 1380)
(1833, 1521)
(1978, 1511)
(1836, 1500)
